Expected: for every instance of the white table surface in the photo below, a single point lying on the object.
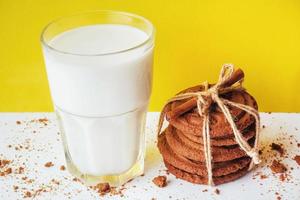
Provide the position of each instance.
(41, 143)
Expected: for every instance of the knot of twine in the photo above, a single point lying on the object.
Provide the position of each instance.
(204, 100)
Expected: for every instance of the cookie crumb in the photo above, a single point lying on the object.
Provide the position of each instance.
(27, 194)
(263, 176)
(282, 177)
(217, 191)
(297, 159)
(49, 164)
(102, 188)
(15, 187)
(62, 168)
(3, 163)
(75, 179)
(43, 121)
(278, 148)
(20, 170)
(8, 171)
(160, 181)
(278, 167)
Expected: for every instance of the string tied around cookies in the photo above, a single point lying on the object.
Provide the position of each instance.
(229, 80)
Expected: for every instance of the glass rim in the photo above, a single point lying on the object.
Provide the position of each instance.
(48, 46)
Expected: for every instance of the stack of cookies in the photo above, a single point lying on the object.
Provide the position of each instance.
(181, 143)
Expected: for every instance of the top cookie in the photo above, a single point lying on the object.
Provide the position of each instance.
(191, 122)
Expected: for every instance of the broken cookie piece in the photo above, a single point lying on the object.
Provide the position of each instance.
(160, 181)
(103, 188)
(297, 159)
(278, 167)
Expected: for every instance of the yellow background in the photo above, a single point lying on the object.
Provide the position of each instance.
(194, 38)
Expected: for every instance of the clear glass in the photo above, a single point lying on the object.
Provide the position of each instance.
(100, 97)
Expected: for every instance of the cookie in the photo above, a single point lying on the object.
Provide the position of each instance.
(233, 96)
(199, 168)
(225, 141)
(191, 122)
(196, 152)
(193, 178)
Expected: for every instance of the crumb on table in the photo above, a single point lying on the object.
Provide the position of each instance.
(278, 167)
(160, 181)
(278, 148)
(297, 159)
(49, 164)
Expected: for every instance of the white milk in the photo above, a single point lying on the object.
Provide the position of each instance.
(89, 91)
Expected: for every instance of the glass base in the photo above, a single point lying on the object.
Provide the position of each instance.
(104, 149)
(114, 180)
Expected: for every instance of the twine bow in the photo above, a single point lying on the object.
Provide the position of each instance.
(204, 99)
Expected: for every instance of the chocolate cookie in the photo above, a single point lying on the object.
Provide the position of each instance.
(195, 151)
(193, 178)
(233, 96)
(199, 168)
(191, 122)
(225, 141)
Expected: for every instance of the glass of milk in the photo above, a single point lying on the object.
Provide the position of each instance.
(99, 68)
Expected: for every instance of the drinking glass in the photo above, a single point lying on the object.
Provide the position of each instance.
(100, 95)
